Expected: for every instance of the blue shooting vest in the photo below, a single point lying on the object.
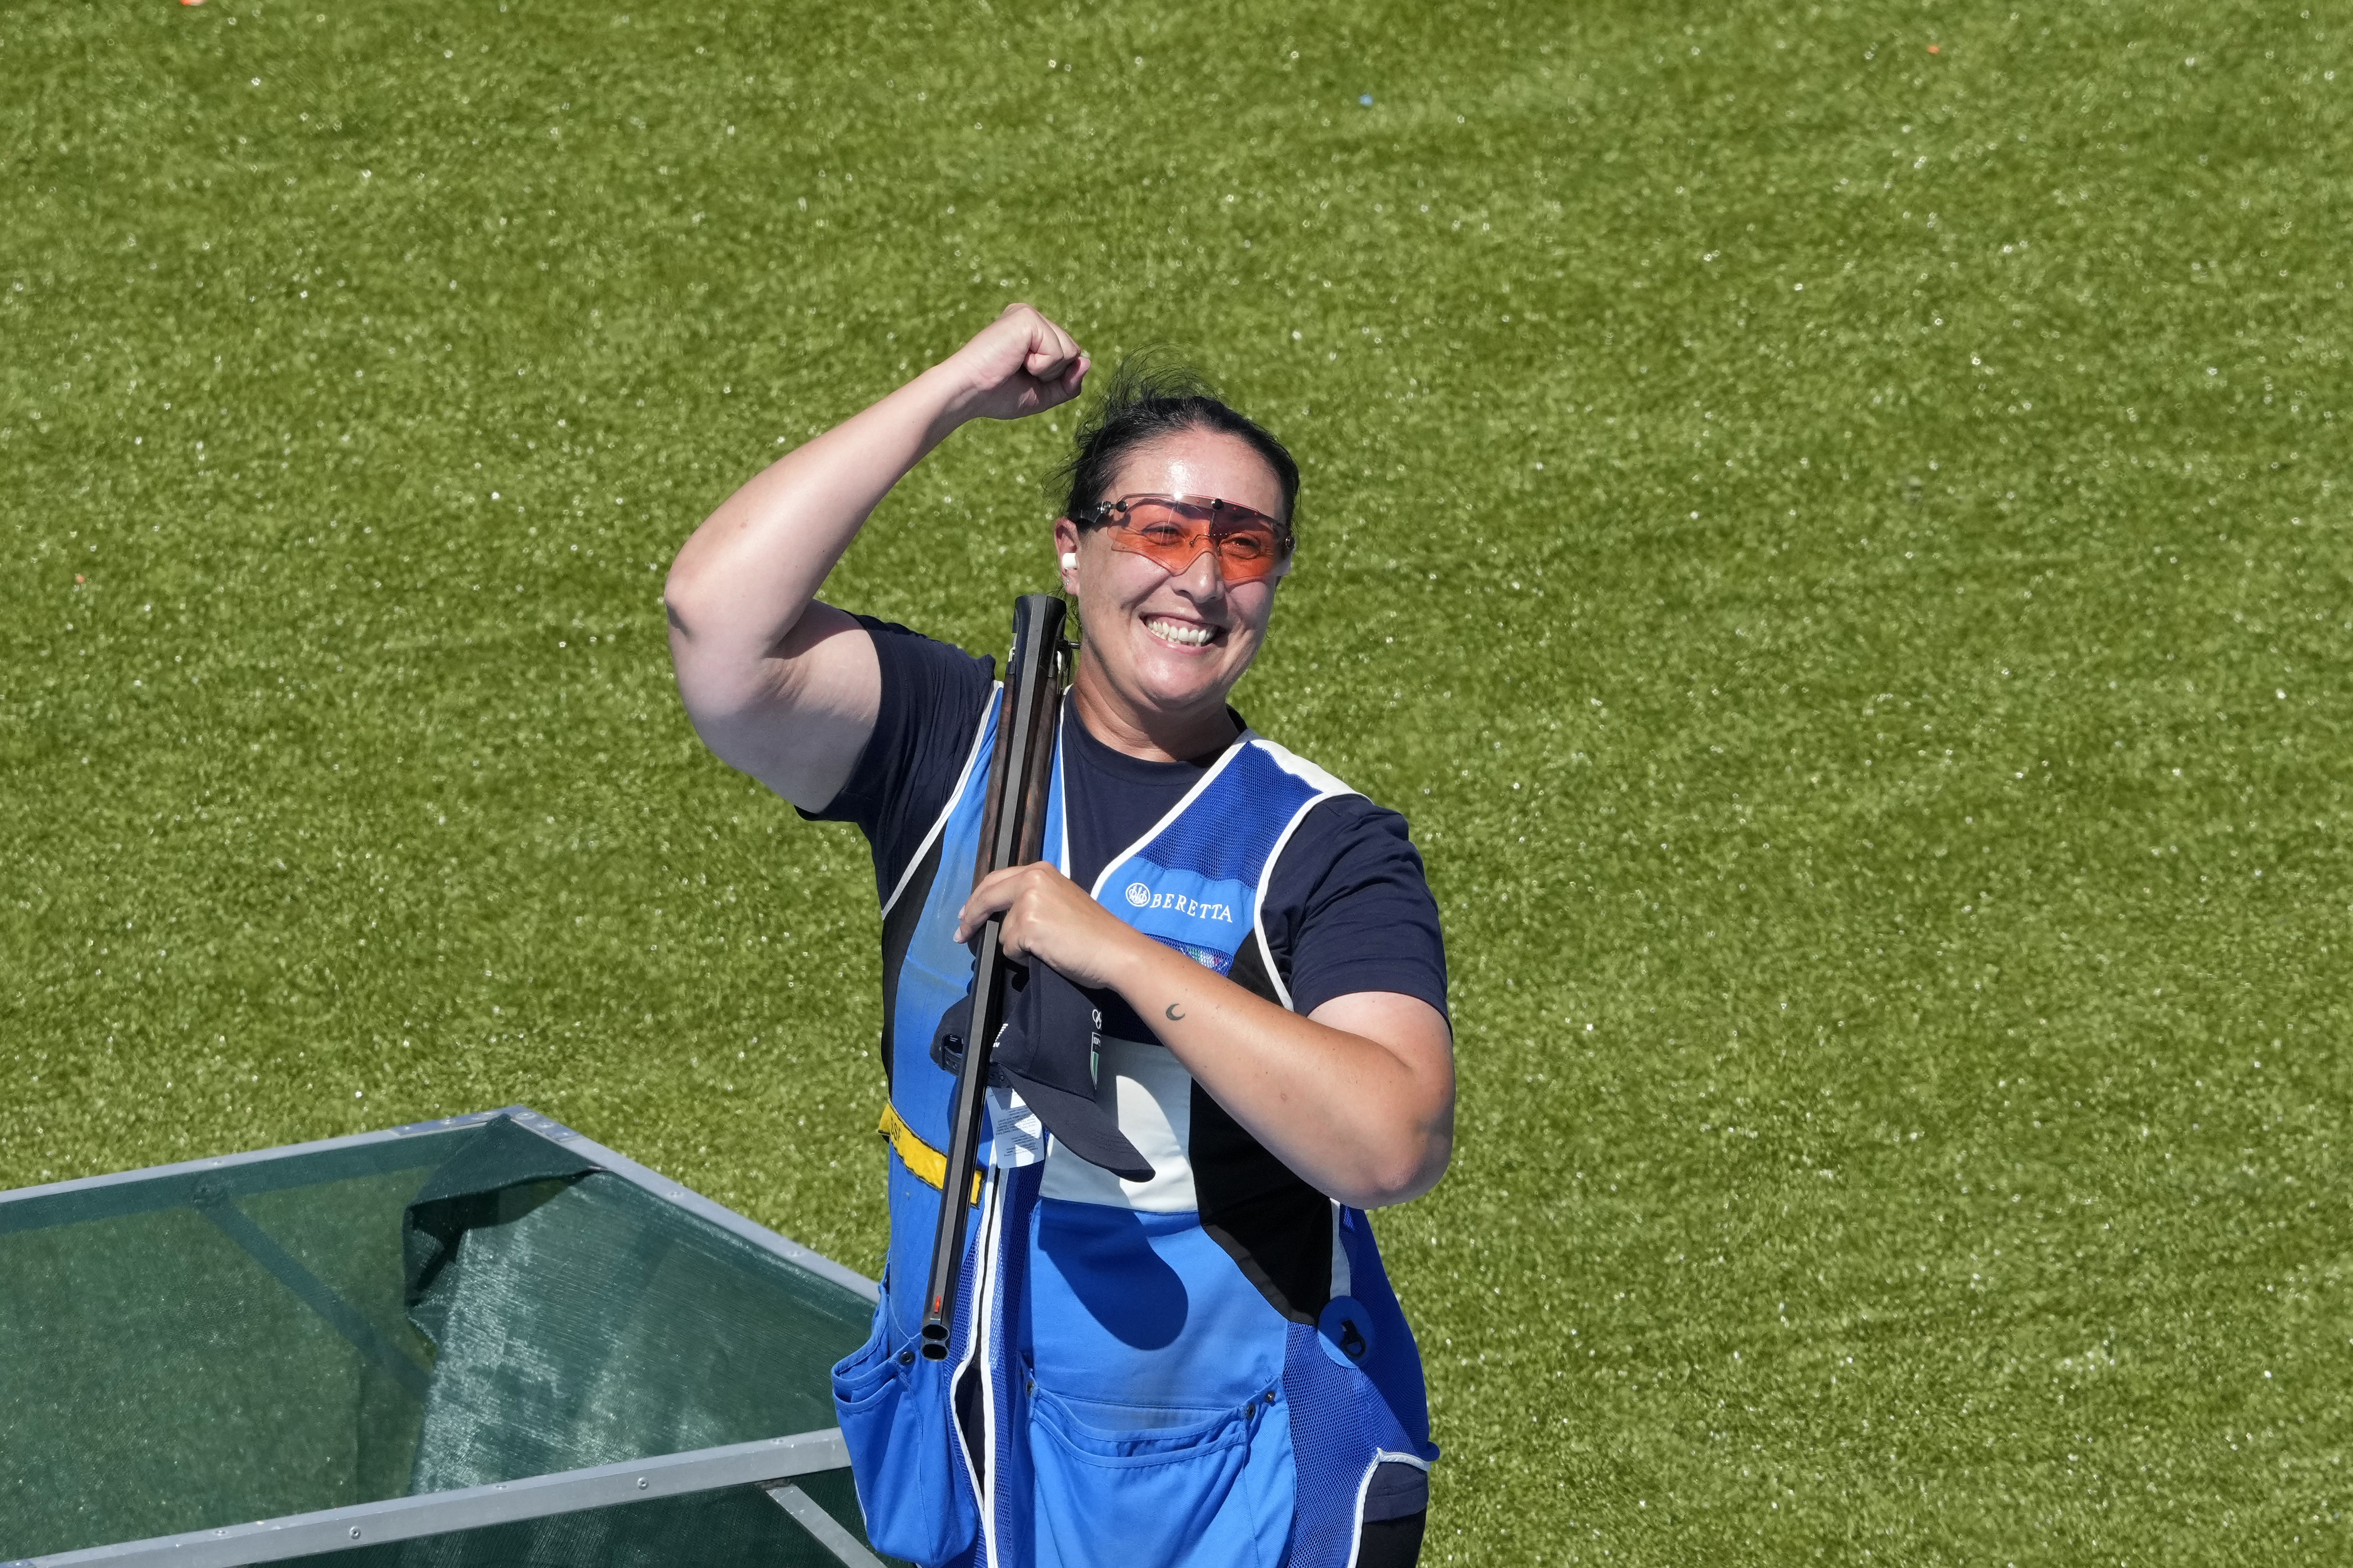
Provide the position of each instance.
(1198, 1370)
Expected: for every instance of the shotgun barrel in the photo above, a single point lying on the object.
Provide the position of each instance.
(1013, 827)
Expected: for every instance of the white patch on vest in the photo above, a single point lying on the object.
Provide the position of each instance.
(1152, 1095)
(1015, 1135)
(1138, 894)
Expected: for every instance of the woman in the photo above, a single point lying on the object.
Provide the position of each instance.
(1205, 1366)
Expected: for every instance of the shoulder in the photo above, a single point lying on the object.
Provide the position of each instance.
(1334, 820)
(924, 666)
(1336, 831)
(1353, 835)
(1298, 767)
(934, 696)
(1347, 904)
(1349, 909)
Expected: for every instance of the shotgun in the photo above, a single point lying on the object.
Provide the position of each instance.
(1013, 828)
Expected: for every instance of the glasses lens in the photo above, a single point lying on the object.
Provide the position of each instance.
(1244, 543)
(1173, 533)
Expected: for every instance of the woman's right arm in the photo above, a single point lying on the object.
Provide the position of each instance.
(778, 685)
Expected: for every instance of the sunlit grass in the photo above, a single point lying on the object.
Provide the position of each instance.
(1839, 548)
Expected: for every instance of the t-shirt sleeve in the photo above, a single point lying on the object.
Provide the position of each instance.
(1352, 909)
(932, 700)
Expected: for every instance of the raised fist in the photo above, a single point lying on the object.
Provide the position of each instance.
(1019, 364)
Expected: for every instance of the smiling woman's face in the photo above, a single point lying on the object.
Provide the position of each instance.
(1163, 651)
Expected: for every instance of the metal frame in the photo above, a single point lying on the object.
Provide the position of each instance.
(694, 1202)
(768, 1462)
(471, 1508)
(523, 1116)
(824, 1526)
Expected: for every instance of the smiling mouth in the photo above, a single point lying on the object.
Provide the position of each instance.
(1182, 633)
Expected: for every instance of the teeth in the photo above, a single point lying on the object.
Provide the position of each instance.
(1176, 632)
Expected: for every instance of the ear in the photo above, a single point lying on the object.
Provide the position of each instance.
(1066, 549)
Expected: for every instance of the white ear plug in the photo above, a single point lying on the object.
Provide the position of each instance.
(1070, 560)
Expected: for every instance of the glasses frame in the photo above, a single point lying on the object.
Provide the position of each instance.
(1100, 516)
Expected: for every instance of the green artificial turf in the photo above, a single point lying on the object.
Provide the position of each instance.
(1840, 546)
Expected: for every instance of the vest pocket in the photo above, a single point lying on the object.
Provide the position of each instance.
(893, 1408)
(1139, 1497)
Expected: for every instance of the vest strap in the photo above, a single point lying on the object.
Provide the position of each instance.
(929, 1165)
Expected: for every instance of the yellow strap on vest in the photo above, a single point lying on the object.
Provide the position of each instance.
(928, 1163)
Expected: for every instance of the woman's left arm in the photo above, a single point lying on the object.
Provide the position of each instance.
(1356, 1098)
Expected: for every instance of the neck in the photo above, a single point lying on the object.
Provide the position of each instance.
(1154, 734)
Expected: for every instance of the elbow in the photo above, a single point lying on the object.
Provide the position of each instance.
(723, 704)
(706, 600)
(1401, 1167)
(721, 678)
(719, 693)
(683, 592)
(1415, 1164)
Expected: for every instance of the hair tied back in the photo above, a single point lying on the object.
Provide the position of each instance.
(1152, 394)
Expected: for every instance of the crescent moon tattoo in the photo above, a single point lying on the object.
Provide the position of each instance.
(1175, 1013)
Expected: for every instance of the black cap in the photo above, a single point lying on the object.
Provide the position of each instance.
(1045, 1053)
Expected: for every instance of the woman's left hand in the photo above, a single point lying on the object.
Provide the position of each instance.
(1050, 918)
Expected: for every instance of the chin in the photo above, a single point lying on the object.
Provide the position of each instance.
(1184, 702)
(1177, 692)
(1190, 697)
(1176, 681)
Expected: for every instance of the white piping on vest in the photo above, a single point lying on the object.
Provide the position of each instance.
(956, 794)
(1203, 782)
(971, 1348)
(1327, 788)
(1058, 793)
(983, 1478)
(977, 1337)
(988, 1281)
(1364, 1486)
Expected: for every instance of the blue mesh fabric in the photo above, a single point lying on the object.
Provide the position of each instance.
(1231, 842)
(1338, 1421)
(1394, 1367)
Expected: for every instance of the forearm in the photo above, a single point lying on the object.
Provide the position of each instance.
(1361, 1123)
(745, 577)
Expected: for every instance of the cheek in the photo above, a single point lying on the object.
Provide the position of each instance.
(1255, 601)
(1119, 581)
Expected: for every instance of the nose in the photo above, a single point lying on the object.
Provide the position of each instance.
(1205, 578)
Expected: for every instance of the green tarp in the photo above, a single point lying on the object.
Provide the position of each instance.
(400, 1316)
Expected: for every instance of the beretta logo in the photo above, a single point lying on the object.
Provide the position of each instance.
(1143, 898)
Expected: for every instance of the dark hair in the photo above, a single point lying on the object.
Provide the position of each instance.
(1152, 394)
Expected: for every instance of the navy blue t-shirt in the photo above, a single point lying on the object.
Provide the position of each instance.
(1348, 908)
